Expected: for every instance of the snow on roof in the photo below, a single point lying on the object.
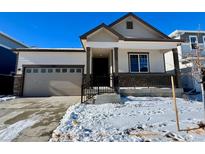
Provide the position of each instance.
(12, 39)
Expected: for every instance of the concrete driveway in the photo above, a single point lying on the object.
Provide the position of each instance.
(32, 119)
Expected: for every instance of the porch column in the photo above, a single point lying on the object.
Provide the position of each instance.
(116, 77)
(111, 62)
(116, 60)
(176, 67)
(88, 63)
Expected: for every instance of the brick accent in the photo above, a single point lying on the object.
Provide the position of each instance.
(18, 85)
(144, 80)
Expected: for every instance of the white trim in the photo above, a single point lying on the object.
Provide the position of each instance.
(203, 37)
(190, 43)
(134, 45)
(139, 62)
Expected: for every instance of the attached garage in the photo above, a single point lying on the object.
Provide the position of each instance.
(52, 80)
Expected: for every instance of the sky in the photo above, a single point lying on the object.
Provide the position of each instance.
(62, 30)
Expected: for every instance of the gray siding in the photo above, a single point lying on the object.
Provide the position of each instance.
(186, 35)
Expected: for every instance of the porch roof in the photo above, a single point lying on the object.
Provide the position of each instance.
(153, 40)
(140, 44)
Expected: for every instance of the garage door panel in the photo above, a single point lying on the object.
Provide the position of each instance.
(52, 82)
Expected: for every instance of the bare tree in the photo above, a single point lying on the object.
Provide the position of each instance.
(196, 59)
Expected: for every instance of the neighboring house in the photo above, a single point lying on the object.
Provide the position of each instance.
(7, 62)
(7, 56)
(187, 55)
(129, 50)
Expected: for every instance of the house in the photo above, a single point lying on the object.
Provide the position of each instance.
(7, 62)
(129, 50)
(187, 55)
(7, 56)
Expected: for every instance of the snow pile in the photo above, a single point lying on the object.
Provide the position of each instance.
(11, 132)
(6, 98)
(138, 119)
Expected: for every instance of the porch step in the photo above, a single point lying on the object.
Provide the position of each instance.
(107, 98)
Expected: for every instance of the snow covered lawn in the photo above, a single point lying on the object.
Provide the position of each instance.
(6, 98)
(138, 119)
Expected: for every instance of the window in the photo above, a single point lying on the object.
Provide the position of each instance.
(129, 25)
(64, 70)
(35, 70)
(28, 70)
(134, 63)
(43, 70)
(139, 63)
(72, 70)
(193, 42)
(50, 70)
(78, 70)
(58, 70)
(143, 63)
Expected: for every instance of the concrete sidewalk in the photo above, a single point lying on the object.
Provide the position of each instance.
(32, 119)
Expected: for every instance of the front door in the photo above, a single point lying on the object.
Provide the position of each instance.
(100, 72)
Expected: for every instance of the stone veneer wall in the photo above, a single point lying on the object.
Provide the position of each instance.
(18, 85)
(145, 80)
(125, 80)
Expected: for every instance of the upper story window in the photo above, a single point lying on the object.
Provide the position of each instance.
(139, 63)
(193, 42)
(129, 25)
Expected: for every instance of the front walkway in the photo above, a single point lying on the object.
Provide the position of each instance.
(32, 119)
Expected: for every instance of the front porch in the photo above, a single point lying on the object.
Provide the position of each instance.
(108, 70)
(128, 84)
(126, 65)
(104, 65)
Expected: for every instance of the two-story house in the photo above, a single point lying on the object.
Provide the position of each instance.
(8, 62)
(7, 56)
(191, 53)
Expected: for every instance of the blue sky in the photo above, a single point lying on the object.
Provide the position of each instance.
(63, 29)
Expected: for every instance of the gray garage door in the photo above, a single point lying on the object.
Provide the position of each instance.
(49, 81)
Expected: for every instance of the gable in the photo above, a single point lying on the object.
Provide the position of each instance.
(102, 35)
(140, 28)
